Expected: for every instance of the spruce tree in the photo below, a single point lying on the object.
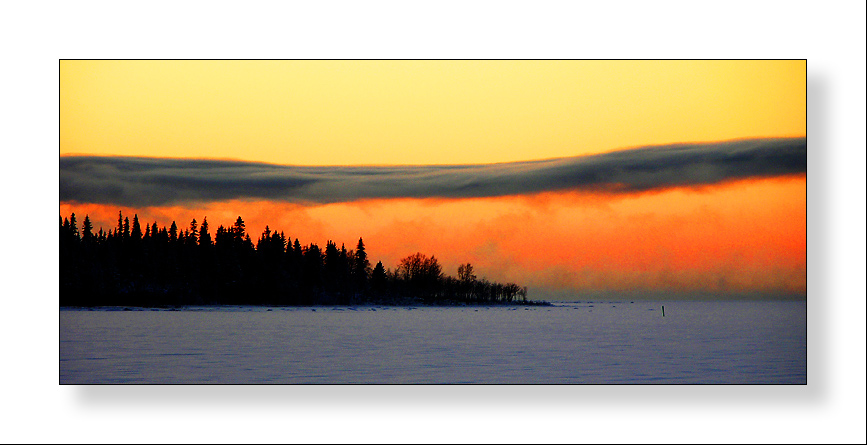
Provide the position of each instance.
(126, 228)
(361, 266)
(73, 228)
(239, 229)
(136, 229)
(378, 277)
(87, 228)
(204, 236)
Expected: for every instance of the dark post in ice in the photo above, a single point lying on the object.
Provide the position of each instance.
(663, 311)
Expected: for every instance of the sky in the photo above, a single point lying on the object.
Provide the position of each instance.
(579, 179)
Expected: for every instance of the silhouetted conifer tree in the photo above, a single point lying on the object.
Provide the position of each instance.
(136, 229)
(87, 227)
(204, 236)
(239, 230)
(73, 228)
(378, 278)
(361, 266)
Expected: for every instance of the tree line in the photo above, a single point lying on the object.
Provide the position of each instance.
(173, 266)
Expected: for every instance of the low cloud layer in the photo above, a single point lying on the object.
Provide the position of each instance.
(140, 182)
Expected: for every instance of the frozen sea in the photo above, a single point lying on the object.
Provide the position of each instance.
(600, 342)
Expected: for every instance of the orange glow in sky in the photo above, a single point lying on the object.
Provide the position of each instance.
(741, 237)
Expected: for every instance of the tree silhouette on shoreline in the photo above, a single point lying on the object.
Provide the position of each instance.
(126, 266)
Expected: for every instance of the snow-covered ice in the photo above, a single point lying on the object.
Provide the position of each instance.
(569, 343)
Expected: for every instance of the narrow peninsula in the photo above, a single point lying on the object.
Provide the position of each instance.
(170, 267)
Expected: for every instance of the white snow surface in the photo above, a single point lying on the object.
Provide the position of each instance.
(610, 342)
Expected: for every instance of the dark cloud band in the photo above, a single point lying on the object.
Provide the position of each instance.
(136, 182)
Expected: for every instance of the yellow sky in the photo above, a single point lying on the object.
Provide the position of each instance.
(419, 112)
